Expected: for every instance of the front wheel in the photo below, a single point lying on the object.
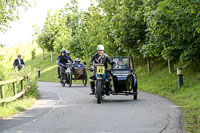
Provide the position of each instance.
(62, 83)
(63, 80)
(99, 91)
(70, 79)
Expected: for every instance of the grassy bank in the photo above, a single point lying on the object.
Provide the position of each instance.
(160, 82)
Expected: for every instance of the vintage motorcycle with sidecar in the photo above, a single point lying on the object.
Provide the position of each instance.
(73, 73)
(124, 80)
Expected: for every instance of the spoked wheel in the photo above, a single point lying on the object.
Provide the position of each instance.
(99, 91)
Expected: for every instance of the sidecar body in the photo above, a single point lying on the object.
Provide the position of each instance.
(123, 77)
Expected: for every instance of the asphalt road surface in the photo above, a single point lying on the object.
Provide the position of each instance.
(73, 110)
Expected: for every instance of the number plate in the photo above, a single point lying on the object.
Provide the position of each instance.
(100, 69)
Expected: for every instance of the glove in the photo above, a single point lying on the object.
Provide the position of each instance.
(91, 68)
(113, 63)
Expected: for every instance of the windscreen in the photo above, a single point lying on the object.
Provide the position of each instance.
(121, 62)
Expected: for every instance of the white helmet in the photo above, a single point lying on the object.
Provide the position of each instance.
(67, 52)
(100, 47)
(77, 59)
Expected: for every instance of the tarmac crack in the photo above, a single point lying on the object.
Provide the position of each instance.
(166, 125)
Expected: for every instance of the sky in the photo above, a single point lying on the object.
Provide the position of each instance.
(21, 31)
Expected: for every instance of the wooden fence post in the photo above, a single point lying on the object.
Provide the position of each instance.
(148, 64)
(2, 94)
(15, 88)
(22, 88)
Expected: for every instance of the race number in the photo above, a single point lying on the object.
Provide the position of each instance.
(100, 69)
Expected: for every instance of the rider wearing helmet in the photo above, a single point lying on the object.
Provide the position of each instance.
(62, 58)
(78, 63)
(100, 58)
(68, 57)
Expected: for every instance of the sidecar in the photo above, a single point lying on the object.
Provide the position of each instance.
(123, 77)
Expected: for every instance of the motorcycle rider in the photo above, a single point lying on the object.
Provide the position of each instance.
(62, 59)
(68, 57)
(100, 58)
(78, 63)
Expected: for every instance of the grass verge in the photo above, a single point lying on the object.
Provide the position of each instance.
(160, 82)
(20, 104)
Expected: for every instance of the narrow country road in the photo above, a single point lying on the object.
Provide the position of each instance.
(73, 110)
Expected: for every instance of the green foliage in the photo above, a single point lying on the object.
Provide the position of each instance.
(54, 35)
(172, 29)
(125, 26)
(1, 65)
(9, 12)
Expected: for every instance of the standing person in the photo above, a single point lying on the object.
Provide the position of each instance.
(100, 58)
(18, 62)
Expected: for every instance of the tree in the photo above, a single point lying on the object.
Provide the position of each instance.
(54, 34)
(9, 12)
(172, 30)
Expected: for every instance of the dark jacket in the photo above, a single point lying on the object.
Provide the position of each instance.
(16, 63)
(63, 60)
(103, 59)
(68, 57)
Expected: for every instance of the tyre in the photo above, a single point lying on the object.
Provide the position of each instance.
(63, 84)
(63, 81)
(85, 81)
(135, 91)
(70, 79)
(135, 97)
(99, 91)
